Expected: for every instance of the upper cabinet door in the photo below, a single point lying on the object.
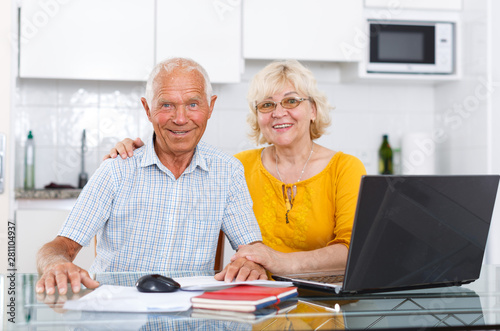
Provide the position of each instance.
(412, 4)
(87, 39)
(208, 32)
(317, 30)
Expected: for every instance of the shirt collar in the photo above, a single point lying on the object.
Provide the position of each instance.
(150, 158)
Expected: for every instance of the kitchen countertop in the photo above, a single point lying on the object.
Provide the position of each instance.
(47, 194)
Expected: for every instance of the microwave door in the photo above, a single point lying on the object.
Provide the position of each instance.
(403, 48)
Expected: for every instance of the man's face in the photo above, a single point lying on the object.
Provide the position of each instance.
(179, 111)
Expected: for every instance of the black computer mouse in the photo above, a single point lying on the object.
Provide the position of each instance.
(156, 283)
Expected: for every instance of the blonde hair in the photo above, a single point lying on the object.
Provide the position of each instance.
(273, 79)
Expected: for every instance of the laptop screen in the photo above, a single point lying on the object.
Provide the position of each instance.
(419, 230)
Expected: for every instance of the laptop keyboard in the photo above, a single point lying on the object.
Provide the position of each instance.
(325, 279)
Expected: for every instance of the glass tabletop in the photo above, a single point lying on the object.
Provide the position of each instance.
(475, 305)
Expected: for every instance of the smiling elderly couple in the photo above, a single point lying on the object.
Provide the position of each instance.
(157, 210)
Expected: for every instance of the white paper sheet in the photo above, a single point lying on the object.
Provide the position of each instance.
(113, 298)
(208, 283)
(129, 299)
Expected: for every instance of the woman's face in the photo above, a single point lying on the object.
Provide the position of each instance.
(283, 127)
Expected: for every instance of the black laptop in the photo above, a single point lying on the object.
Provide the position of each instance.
(413, 232)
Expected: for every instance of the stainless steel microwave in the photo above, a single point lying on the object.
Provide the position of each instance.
(411, 47)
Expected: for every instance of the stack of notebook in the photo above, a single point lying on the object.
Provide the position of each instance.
(253, 317)
(243, 298)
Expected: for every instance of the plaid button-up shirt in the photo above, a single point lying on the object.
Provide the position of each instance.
(146, 220)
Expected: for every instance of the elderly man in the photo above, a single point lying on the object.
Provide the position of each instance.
(163, 208)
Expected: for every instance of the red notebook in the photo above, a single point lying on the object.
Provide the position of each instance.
(243, 297)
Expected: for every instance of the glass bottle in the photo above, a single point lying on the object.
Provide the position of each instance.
(29, 163)
(385, 166)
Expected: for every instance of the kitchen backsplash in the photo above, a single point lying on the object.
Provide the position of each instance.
(57, 111)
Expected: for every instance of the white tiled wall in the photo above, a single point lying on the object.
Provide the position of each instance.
(58, 110)
(463, 114)
(461, 107)
(493, 255)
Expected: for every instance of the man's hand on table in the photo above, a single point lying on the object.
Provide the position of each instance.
(241, 270)
(56, 301)
(62, 273)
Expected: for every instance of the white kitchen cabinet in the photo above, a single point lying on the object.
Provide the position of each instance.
(316, 30)
(412, 4)
(208, 32)
(87, 39)
(35, 227)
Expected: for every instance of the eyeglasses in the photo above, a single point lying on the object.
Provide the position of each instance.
(287, 103)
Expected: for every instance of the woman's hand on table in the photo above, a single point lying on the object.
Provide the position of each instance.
(273, 261)
(241, 270)
(333, 257)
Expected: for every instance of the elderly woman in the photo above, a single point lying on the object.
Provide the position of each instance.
(304, 195)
